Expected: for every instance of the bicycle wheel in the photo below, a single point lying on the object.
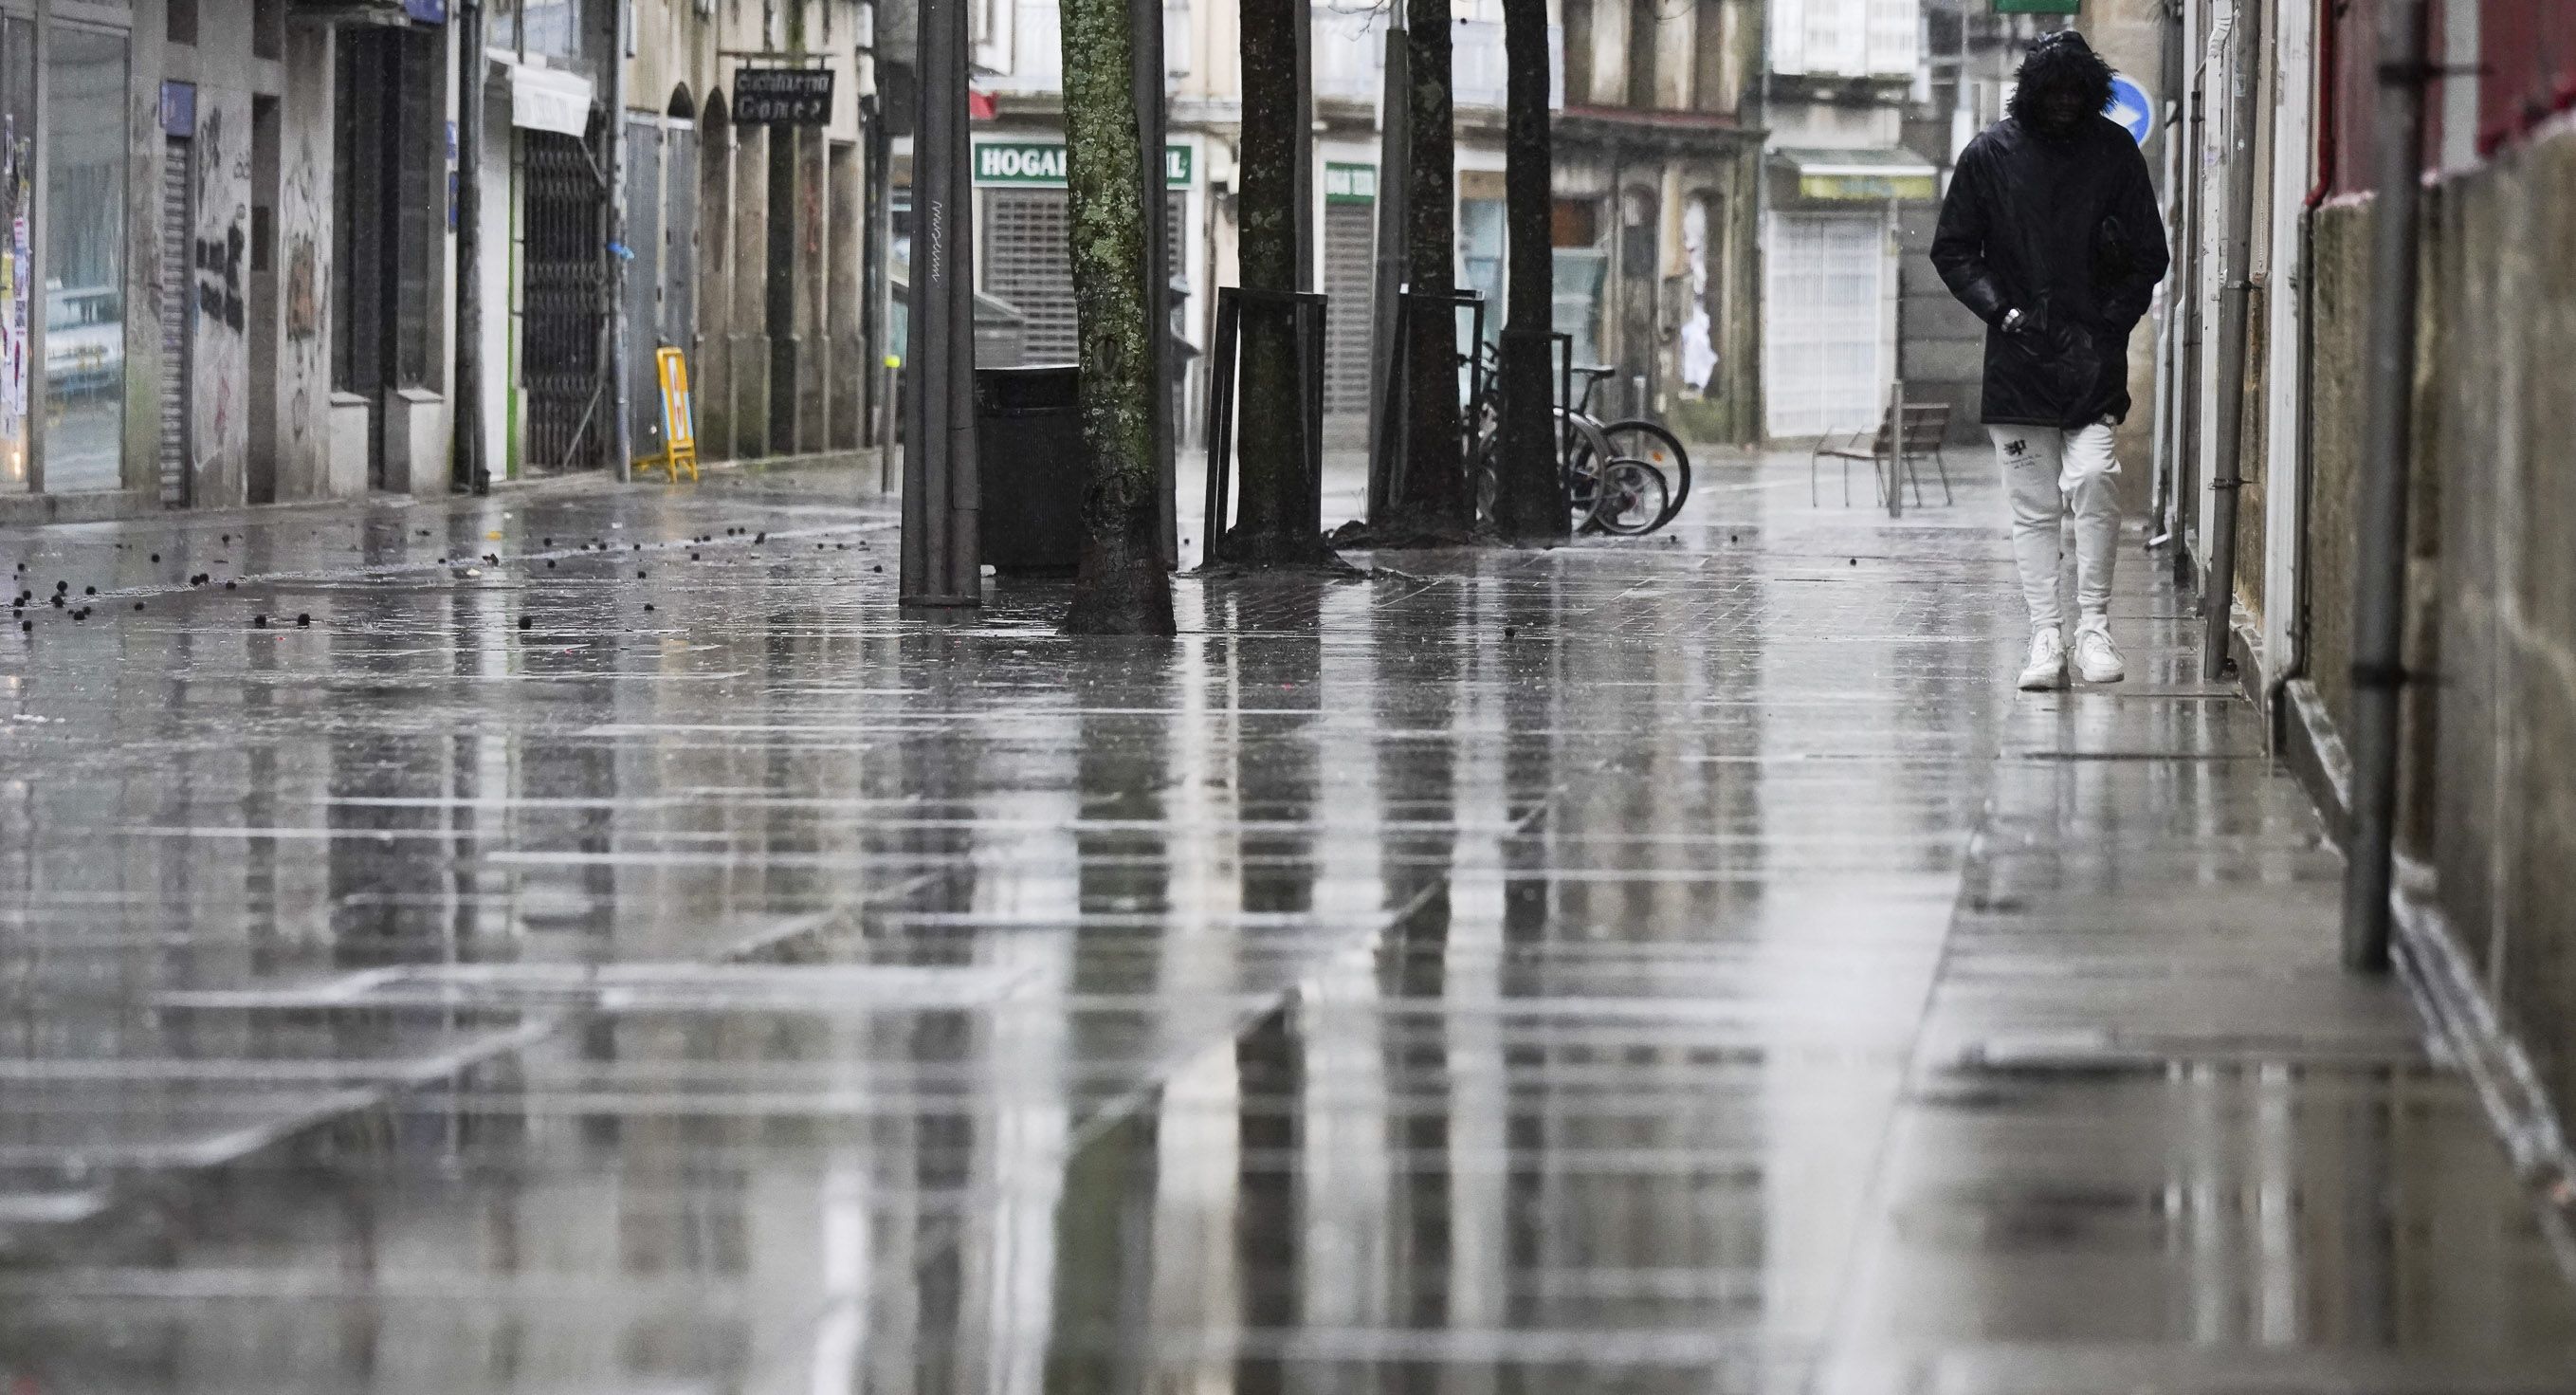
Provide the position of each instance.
(1637, 439)
(1634, 498)
(1484, 447)
(1584, 459)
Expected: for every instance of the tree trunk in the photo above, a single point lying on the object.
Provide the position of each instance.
(1532, 502)
(1119, 585)
(1278, 521)
(1431, 499)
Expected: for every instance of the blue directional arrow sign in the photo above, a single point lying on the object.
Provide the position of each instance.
(2130, 107)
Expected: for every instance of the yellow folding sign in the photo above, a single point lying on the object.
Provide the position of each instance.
(679, 422)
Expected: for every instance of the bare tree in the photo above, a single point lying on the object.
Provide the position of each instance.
(1119, 584)
(1430, 501)
(1279, 522)
(1531, 501)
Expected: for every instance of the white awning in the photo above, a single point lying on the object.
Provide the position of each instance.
(1864, 175)
(549, 99)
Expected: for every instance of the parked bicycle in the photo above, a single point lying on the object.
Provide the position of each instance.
(1627, 477)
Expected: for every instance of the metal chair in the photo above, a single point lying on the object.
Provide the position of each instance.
(1905, 433)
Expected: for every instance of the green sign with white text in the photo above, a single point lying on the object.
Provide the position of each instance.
(2039, 7)
(1042, 162)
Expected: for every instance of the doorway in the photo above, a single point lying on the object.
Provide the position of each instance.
(661, 283)
(388, 223)
(559, 349)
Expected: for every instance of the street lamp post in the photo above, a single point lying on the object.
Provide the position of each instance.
(942, 554)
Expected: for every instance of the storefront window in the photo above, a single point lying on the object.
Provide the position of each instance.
(85, 261)
(1480, 249)
(17, 196)
(1582, 263)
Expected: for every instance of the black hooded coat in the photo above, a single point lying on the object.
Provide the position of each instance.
(2066, 230)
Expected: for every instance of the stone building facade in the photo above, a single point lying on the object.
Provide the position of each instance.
(2487, 836)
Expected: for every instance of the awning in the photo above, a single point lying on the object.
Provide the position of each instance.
(549, 99)
(1864, 175)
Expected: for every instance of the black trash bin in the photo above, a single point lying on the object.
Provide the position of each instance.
(1028, 445)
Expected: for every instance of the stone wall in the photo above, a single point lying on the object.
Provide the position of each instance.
(2339, 312)
(2490, 758)
(2254, 497)
(2502, 288)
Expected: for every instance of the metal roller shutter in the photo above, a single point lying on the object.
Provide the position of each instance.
(1823, 322)
(1027, 250)
(559, 325)
(178, 292)
(1350, 248)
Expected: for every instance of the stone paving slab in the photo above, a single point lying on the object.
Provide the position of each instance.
(1677, 965)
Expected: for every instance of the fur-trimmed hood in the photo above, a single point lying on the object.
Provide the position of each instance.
(2059, 62)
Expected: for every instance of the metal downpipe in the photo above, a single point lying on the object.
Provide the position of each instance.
(621, 427)
(2379, 575)
(470, 471)
(2163, 445)
(2218, 591)
(2187, 326)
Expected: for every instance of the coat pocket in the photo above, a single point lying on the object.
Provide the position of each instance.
(2055, 363)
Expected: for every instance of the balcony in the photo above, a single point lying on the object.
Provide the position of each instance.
(1350, 59)
(1476, 75)
(1350, 54)
(1037, 47)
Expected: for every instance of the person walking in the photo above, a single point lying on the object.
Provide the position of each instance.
(2050, 233)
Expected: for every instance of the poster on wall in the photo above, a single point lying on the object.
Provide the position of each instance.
(16, 296)
(19, 303)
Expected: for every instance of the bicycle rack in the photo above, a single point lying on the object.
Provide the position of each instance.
(1386, 470)
(1306, 324)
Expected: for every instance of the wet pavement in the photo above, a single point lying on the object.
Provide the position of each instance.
(591, 941)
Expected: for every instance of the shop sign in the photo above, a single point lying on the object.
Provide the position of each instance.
(1042, 162)
(426, 11)
(782, 96)
(2039, 7)
(1868, 187)
(1350, 183)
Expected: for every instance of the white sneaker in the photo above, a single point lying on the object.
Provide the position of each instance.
(2097, 659)
(2047, 666)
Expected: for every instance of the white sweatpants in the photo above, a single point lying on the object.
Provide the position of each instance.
(2049, 473)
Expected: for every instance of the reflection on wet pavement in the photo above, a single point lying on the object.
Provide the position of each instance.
(1680, 966)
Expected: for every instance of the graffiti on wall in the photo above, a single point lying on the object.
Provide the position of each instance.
(219, 256)
(17, 289)
(303, 224)
(303, 307)
(219, 262)
(1698, 335)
